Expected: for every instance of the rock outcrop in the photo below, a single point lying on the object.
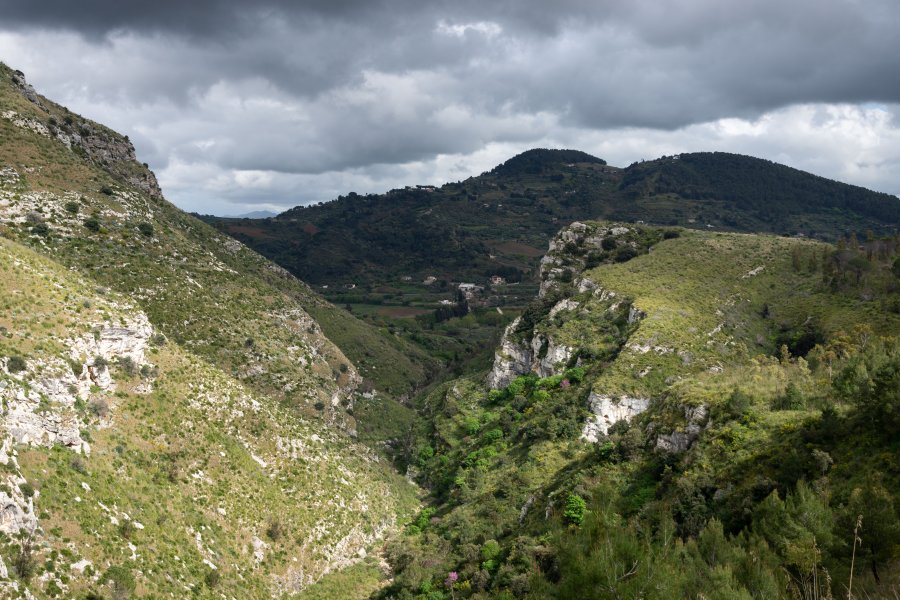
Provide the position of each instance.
(609, 410)
(680, 440)
(511, 359)
(540, 355)
(104, 148)
(40, 403)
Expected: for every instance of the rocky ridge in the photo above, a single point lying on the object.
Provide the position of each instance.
(575, 309)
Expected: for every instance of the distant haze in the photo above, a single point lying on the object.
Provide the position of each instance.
(262, 106)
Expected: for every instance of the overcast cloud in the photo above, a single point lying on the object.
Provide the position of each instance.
(240, 106)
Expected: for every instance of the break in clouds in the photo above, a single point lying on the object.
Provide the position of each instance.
(269, 105)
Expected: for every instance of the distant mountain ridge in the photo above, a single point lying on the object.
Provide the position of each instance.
(501, 220)
(254, 214)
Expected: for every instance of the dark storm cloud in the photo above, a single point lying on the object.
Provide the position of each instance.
(305, 88)
(646, 63)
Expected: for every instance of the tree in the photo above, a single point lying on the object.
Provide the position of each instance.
(120, 580)
(871, 381)
(880, 527)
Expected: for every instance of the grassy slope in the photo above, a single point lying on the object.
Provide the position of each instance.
(179, 460)
(219, 304)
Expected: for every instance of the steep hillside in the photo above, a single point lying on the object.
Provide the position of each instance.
(132, 463)
(66, 197)
(679, 414)
(247, 405)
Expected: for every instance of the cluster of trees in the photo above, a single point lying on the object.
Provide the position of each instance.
(541, 160)
(871, 267)
(764, 188)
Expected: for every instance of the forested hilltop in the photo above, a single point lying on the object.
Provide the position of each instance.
(500, 221)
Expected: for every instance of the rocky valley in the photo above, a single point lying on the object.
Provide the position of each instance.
(559, 379)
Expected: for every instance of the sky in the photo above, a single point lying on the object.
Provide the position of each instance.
(241, 106)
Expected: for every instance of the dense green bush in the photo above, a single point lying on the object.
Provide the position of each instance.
(15, 364)
(575, 509)
(92, 223)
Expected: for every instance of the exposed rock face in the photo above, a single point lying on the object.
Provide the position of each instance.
(40, 410)
(568, 251)
(609, 410)
(511, 359)
(16, 511)
(113, 343)
(566, 257)
(27, 89)
(539, 355)
(679, 441)
(563, 306)
(554, 360)
(114, 153)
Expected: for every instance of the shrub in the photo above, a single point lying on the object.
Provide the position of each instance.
(625, 253)
(575, 374)
(41, 229)
(490, 554)
(27, 489)
(609, 243)
(145, 229)
(593, 260)
(127, 365)
(671, 234)
(791, 400)
(24, 562)
(212, 579)
(121, 580)
(738, 404)
(15, 364)
(493, 435)
(99, 407)
(575, 509)
(72, 207)
(127, 529)
(106, 190)
(92, 223)
(275, 530)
